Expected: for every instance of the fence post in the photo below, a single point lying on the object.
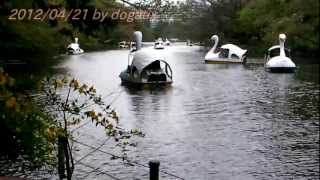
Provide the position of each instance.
(61, 161)
(154, 170)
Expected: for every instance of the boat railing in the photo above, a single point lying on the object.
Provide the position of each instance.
(168, 69)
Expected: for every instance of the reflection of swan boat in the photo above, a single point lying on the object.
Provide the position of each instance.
(74, 48)
(147, 66)
(228, 53)
(278, 58)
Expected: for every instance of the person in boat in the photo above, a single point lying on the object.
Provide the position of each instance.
(224, 53)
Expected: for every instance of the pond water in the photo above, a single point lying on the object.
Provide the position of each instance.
(215, 121)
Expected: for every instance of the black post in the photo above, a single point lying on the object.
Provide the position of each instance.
(154, 170)
(67, 156)
(61, 159)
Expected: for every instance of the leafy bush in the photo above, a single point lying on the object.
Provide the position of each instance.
(26, 133)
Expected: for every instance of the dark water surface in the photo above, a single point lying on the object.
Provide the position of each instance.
(216, 121)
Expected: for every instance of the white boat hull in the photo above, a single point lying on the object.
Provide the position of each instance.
(223, 61)
(75, 52)
(159, 47)
(126, 78)
(214, 59)
(280, 64)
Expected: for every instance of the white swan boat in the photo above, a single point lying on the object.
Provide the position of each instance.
(74, 48)
(228, 53)
(189, 43)
(146, 66)
(167, 42)
(278, 58)
(123, 44)
(159, 44)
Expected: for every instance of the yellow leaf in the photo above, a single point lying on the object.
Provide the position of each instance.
(11, 102)
(3, 79)
(18, 129)
(11, 82)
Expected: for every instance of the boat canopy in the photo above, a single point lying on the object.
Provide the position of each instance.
(234, 50)
(275, 51)
(145, 57)
(277, 47)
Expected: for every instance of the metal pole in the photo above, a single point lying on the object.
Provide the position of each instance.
(61, 159)
(154, 170)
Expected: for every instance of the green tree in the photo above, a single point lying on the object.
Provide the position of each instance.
(27, 134)
(261, 21)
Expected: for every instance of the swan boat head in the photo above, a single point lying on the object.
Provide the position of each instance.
(137, 38)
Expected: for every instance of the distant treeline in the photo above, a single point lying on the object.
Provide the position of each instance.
(254, 24)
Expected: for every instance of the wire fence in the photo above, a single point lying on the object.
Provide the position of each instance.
(94, 169)
(115, 95)
(125, 160)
